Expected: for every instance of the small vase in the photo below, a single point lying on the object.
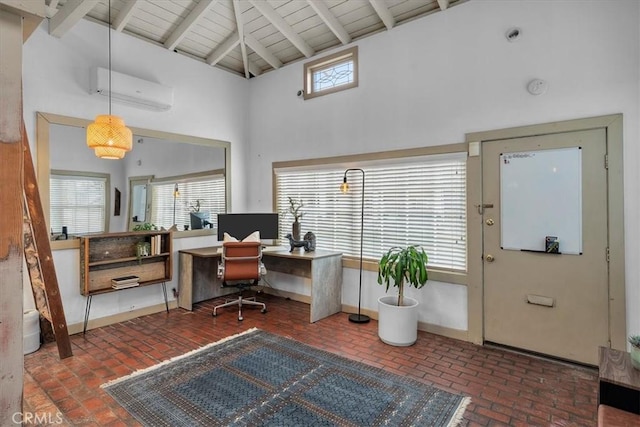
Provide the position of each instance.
(635, 357)
(295, 230)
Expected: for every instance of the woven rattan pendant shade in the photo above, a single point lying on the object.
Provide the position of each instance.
(109, 137)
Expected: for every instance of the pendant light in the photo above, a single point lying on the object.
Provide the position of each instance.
(108, 135)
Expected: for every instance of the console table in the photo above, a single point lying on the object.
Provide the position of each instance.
(618, 381)
(198, 280)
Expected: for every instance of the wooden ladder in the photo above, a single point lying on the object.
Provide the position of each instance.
(39, 259)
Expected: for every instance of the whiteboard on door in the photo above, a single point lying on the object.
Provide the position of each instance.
(541, 196)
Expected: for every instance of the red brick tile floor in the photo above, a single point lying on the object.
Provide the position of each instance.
(506, 388)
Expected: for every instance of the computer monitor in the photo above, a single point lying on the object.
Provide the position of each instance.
(240, 225)
(199, 220)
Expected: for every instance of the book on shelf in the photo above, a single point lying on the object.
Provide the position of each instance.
(124, 285)
(124, 280)
(156, 244)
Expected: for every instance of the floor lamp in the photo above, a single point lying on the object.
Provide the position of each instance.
(176, 193)
(357, 318)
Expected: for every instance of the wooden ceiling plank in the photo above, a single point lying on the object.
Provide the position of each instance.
(383, 12)
(262, 51)
(240, 26)
(443, 4)
(330, 20)
(223, 49)
(254, 69)
(69, 15)
(125, 15)
(282, 26)
(196, 14)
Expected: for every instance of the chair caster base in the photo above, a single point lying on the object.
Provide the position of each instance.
(240, 319)
(263, 311)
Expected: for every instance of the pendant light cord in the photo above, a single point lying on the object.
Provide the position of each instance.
(109, 57)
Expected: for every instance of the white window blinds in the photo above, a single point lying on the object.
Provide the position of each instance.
(209, 191)
(78, 202)
(416, 201)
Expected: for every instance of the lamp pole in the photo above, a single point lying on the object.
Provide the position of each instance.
(357, 318)
(176, 193)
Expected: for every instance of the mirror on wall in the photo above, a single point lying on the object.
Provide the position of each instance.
(140, 186)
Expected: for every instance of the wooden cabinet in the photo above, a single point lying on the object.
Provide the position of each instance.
(104, 257)
(619, 381)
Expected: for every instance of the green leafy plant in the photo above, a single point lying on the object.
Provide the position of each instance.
(147, 226)
(195, 207)
(295, 209)
(403, 265)
(634, 340)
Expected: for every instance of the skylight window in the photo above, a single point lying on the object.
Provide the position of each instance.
(331, 74)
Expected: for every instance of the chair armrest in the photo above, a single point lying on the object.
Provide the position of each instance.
(263, 269)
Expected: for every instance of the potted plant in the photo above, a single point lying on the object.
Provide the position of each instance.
(398, 315)
(295, 209)
(634, 340)
(198, 219)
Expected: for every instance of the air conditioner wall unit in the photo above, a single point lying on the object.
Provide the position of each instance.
(131, 90)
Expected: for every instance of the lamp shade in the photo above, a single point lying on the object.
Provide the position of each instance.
(109, 137)
(109, 153)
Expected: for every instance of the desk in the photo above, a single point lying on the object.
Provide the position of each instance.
(618, 381)
(198, 280)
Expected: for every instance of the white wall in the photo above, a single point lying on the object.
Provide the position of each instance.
(430, 81)
(209, 103)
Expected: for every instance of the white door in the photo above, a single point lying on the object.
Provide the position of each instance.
(553, 304)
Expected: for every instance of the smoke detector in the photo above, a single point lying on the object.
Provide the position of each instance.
(513, 34)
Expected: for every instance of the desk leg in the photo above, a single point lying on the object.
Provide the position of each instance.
(326, 287)
(185, 282)
(87, 309)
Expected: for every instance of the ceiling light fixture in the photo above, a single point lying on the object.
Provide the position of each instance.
(108, 135)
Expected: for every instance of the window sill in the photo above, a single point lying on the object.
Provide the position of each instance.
(434, 274)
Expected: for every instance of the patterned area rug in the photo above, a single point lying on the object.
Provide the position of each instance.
(260, 379)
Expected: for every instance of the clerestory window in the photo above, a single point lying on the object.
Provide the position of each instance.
(331, 74)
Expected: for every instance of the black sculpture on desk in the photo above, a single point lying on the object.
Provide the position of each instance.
(309, 242)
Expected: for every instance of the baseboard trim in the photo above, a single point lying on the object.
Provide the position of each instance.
(76, 328)
(285, 294)
(458, 334)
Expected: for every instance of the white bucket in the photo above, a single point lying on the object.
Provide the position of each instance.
(31, 331)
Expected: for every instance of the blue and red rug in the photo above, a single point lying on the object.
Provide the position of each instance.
(261, 379)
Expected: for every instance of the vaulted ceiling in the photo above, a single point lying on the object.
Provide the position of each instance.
(246, 37)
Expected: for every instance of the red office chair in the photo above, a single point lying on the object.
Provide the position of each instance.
(241, 267)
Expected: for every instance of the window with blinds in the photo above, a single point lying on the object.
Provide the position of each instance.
(78, 202)
(419, 201)
(168, 207)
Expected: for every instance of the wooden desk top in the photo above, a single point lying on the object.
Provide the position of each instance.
(298, 253)
(615, 368)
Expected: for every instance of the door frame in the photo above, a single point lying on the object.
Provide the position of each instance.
(615, 211)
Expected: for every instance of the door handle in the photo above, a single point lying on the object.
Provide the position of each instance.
(482, 207)
(489, 258)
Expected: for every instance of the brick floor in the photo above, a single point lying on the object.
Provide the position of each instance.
(506, 388)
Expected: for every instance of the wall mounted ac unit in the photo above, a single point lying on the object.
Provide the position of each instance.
(132, 90)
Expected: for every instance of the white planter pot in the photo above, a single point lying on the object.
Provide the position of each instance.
(30, 331)
(397, 325)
